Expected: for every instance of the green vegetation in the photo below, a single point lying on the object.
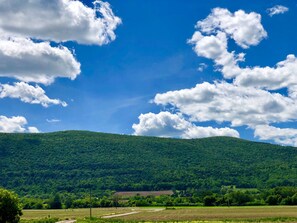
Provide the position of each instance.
(40, 166)
(191, 197)
(10, 208)
(44, 220)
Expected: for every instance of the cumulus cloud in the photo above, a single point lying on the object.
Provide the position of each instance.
(215, 47)
(28, 61)
(278, 9)
(284, 136)
(245, 28)
(59, 20)
(28, 94)
(166, 124)
(224, 102)
(32, 129)
(15, 124)
(283, 75)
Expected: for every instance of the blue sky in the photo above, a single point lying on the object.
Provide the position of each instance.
(146, 54)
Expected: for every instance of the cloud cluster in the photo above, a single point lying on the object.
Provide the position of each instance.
(28, 94)
(224, 102)
(166, 124)
(215, 47)
(59, 21)
(284, 136)
(277, 9)
(23, 21)
(282, 75)
(15, 124)
(245, 28)
(247, 100)
(27, 29)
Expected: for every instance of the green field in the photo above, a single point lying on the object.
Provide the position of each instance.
(211, 214)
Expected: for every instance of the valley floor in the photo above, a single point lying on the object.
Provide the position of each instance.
(194, 214)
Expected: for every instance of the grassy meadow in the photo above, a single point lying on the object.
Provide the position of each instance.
(191, 215)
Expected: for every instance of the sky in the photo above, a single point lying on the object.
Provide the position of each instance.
(157, 68)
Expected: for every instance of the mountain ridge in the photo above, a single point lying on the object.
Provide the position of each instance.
(71, 161)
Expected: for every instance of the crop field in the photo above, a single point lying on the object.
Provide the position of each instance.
(192, 215)
(73, 213)
(143, 193)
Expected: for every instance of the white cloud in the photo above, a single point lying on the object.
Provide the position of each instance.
(202, 132)
(292, 92)
(28, 94)
(224, 102)
(214, 47)
(211, 47)
(202, 67)
(166, 124)
(278, 9)
(245, 28)
(15, 124)
(53, 120)
(283, 75)
(284, 136)
(32, 129)
(59, 20)
(36, 62)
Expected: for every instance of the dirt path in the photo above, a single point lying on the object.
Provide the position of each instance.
(67, 221)
(120, 215)
(157, 210)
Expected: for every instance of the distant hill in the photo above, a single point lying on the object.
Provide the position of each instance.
(71, 161)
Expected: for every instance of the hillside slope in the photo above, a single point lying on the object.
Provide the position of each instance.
(73, 160)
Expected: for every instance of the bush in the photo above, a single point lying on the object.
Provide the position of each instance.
(10, 208)
(273, 199)
(209, 200)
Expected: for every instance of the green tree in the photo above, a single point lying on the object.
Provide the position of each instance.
(10, 207)
(55, 202)
(273, 199)
(294, 199)
(240, 197)
(210, 200)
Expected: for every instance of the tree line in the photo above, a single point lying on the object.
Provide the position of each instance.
(227, 196)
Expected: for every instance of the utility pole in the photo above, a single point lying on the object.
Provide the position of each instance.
(90, 204)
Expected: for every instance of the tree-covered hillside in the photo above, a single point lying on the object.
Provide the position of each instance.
(71, 161)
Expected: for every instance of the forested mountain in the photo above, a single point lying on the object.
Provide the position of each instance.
(73, 161)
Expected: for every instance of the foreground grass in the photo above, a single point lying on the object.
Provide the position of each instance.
(94, 220)
(267, 214)
(72, 213)
(216, 213)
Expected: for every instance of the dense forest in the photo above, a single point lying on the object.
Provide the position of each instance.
(73, 162)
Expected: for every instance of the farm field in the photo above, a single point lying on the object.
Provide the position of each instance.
(73, 213)
(196, 214)
(143, 193)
